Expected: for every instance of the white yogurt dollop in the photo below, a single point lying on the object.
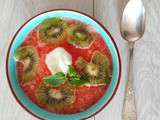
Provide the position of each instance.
(58, 60)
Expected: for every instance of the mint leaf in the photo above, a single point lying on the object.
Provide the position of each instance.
(73, 77)
(56, 80)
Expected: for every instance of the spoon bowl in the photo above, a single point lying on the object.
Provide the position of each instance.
(133, 21)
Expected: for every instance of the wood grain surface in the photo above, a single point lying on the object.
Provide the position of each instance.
(146, 59)
(147, 65)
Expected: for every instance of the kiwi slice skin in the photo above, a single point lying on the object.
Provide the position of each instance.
(97, 71)
(57, 99)
(29, 57)
(79, 36)
(52, 30)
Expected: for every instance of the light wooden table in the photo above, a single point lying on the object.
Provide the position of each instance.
(13, 13)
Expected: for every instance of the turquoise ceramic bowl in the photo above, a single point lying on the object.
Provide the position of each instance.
(11, 70)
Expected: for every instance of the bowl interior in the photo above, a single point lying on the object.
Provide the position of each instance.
(19, 38)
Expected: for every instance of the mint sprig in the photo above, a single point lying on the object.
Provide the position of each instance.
(60, 78)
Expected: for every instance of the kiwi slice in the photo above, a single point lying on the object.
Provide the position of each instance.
(97, 71)
(81, 68)
(28, 56)
(79, 36)
(54, 98)
(52, 30)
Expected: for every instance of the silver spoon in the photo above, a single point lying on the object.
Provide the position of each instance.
(132, 29)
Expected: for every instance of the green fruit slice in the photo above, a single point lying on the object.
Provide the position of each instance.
(52, 30)
(79, 36)
(54, 98)
(97, 71)
(29, 57)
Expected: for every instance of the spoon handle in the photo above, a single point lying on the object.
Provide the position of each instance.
(129, 108)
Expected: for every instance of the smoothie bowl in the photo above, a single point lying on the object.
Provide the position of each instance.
(63, 65)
